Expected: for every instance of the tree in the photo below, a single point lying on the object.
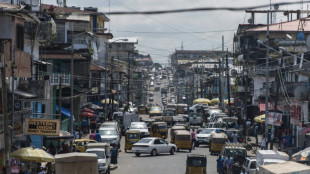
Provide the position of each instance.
(157, 65)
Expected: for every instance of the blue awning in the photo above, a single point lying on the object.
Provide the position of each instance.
(64, 111)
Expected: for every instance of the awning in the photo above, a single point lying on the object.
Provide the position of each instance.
(24, 94)
(64, 111)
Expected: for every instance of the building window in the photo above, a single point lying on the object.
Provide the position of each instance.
(20, 37)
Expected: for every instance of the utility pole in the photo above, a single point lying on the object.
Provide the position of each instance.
(111, 88)
(72, 85)
(60, 98)
(246, 89)
(228, 85)
(220, 84)
(267, 78)
(5, 114)
(128, 84)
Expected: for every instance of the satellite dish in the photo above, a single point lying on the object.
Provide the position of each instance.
(308, 42)
(289, 36)
(276, 6)
(233, 72)
(301, 93)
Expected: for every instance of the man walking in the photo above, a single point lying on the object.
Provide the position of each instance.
(97, 136)
(256, 133)
(114, 154)
(220, 165)
(193, 138)
(263, 143)
(228, 165)
(235, 137)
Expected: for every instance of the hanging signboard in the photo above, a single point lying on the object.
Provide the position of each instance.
(36, 126)
(274, 118)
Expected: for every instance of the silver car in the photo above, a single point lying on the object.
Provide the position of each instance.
(110, 135)
(153, 146)
(204, 136)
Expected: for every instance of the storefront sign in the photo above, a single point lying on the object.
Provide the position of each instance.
(274, 118)
(295, 112)
(35, 126)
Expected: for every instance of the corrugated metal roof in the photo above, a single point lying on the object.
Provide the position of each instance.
(291, 26)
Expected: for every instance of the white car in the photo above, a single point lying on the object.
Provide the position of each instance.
(140, 126)
(103, 161)
(204, 136)
(153, 146)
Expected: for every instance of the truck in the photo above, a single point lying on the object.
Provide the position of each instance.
(267, 157)
(128, 118)
(289, 167)
(76, 163)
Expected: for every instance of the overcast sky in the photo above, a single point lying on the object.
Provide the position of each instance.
(160, 35)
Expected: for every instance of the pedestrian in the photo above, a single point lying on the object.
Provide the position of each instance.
(114, 154)
(220, 165)
(228, 165)
(256, 133)
(243, 171)
(193, 138)
(248, 126)
(97, 136)
(43, 170)
(263, 143)
(235, 137)
(92, 135)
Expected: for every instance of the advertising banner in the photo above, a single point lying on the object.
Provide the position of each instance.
(274, 118)
(36, 126)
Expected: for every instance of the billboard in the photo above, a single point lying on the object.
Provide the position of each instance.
(36, 126)
(274, 118)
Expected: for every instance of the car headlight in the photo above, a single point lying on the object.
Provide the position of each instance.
(101, 164)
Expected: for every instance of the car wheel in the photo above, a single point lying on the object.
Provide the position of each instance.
(137, 154)
(197, 144)
(154, 152)
(190, 150)
(172, 150)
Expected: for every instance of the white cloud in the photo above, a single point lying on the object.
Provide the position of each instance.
(159, 46)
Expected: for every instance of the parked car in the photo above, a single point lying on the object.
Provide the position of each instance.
(103, 164)
(79, 145)
(153, 146)
(204, 136)
(140, 126)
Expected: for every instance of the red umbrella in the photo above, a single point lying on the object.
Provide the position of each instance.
(87, 110)
(87, 114)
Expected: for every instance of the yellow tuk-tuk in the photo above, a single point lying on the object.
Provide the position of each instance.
(159, 129)
(217, 141)
(131, 137)
(172, 132)
(196, 164)
(142, 109)
(183, 139)
(180, 108)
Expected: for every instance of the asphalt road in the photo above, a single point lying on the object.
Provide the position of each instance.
(164, 163)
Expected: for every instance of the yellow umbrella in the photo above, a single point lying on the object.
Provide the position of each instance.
(31, 154)
(108, 101)
(231, 101)
(260, 118)
(202, 101)
(215, 101)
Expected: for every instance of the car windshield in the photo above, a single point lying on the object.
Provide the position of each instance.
(230, 133)
(168, 113)
(108, 132)
(195, 115)
(108, 125)
(235, 152)
(133, 136)
(145, 140)
(138, 126)
(197, 162)
(207, 131)
(162, 126)
(100, 154)
(155, 109)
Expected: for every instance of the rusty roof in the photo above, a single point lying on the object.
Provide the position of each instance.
(62, 56)
(94, 67)
(290, 26)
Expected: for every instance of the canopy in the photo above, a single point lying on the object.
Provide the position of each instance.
(260, 119)
(215, 101)
(62, 135)
(32, 154)
(64, 111)
(108, 101)
(203, 101)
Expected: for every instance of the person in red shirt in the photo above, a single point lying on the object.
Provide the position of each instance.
(92, 135)
(193, 138)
